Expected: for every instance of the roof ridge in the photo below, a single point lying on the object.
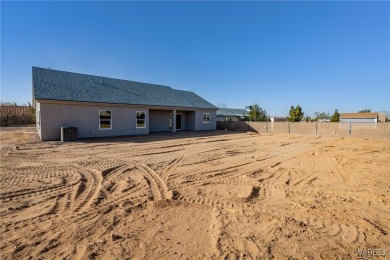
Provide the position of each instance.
(97, 76)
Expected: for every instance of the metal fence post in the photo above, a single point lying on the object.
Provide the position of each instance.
(350, 129)
(288, 127)
(316, 128)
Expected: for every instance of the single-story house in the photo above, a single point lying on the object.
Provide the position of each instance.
(232, 114)
(359, 117)
(382, 117)
(102, 107)
(278, 119)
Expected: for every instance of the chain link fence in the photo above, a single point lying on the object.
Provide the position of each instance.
(324, 129)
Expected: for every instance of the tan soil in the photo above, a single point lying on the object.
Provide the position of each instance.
(209, 195)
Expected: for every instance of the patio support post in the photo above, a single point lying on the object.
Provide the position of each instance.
(174, 121)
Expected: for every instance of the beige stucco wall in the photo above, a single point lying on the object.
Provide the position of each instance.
(85, 116)
(190, 120)
(159, 120)
(86, 119)
(38, 117)
(200, 126)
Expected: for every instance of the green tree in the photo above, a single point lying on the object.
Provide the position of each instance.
(295, 114)
(321, 116)
(256, 113)
(336, 116)
(366, 110)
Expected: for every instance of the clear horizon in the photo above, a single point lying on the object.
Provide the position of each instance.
(319, 55)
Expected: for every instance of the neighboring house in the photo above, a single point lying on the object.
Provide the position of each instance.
(232, 114)
(382, 117)
(101, 107)
(278, 119)
(324, 120)
(359, 117)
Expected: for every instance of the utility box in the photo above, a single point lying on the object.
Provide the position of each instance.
(69, 134)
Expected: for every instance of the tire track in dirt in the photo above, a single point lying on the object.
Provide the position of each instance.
(228, 172)
(115, 190)
(157, 185)
(87, 190)
(63, 187)
(266, 194)
(170, 169)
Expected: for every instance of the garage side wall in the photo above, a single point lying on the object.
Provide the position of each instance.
(86, 119)
(38, 117)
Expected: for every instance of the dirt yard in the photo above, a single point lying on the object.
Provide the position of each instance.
(209, 195)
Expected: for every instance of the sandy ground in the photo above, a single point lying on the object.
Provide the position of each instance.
(209, 195)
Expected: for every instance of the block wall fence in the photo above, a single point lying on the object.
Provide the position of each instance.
(323, 129)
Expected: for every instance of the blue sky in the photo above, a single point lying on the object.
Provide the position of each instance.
(320, 55)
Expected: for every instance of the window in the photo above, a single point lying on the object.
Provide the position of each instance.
(206, 118)
(104, 119)
(141, 123)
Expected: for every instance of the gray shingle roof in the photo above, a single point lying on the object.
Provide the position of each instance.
(232, 112)
(67, 86)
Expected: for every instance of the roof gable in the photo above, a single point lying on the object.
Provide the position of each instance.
(232, 112)
(68, 86)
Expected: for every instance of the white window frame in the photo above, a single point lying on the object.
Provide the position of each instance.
(136, 119)
(207, 118)
(105, 120)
